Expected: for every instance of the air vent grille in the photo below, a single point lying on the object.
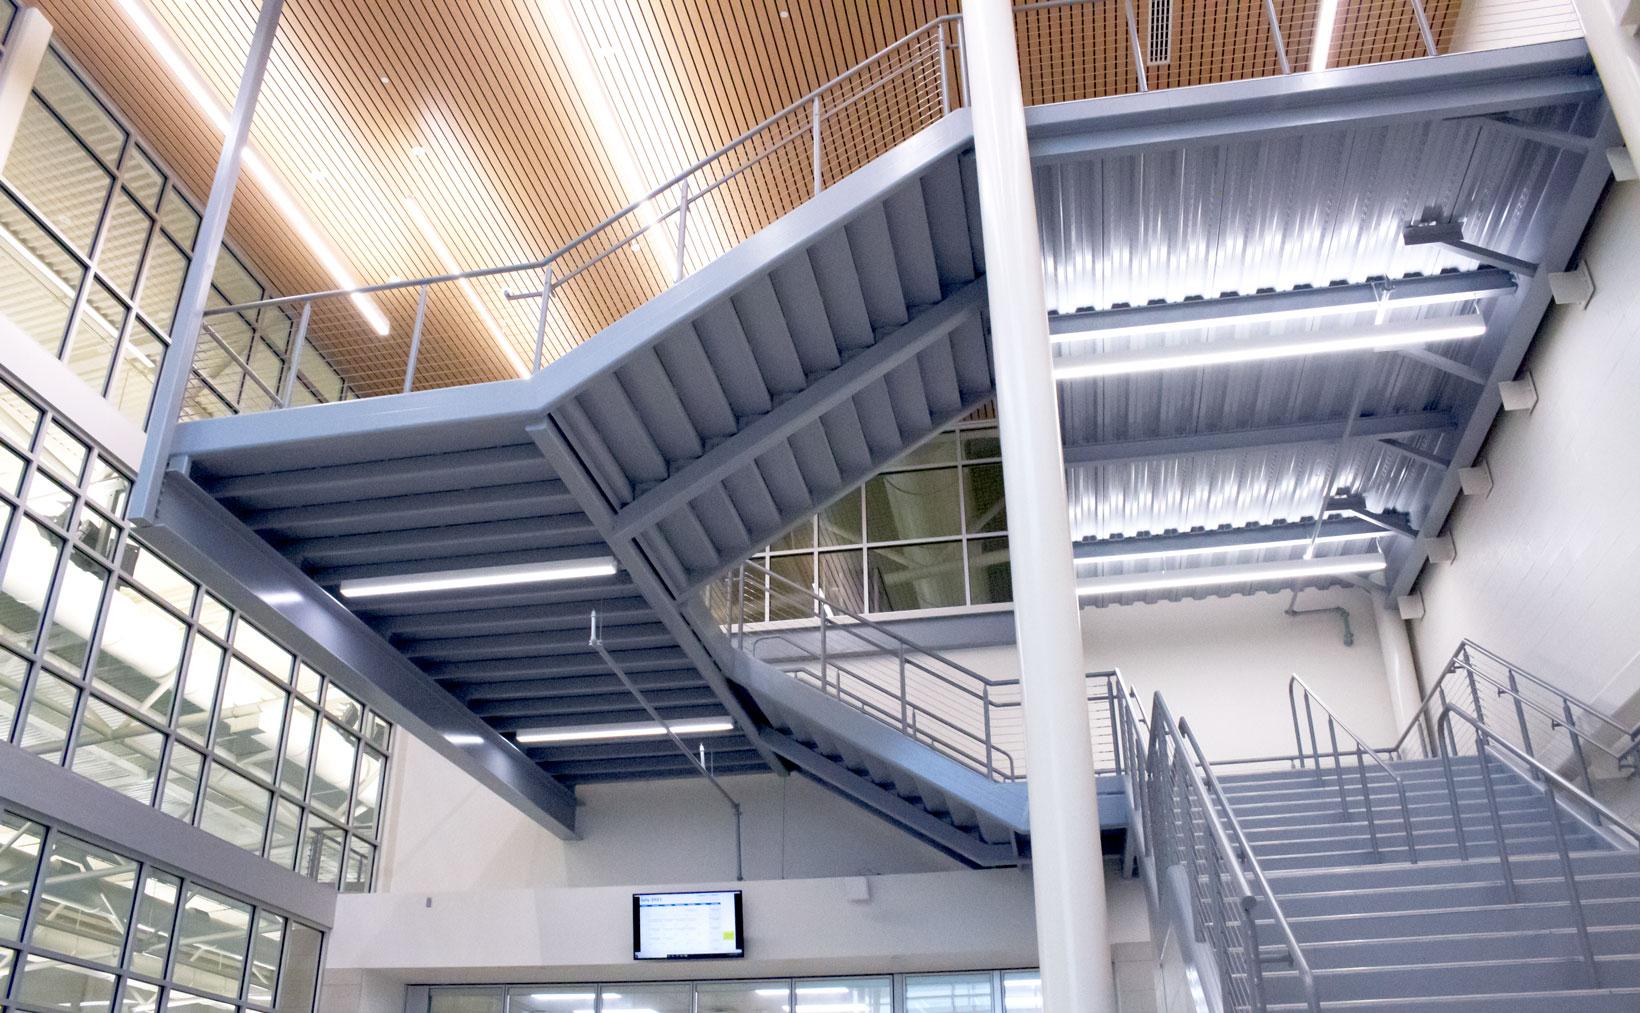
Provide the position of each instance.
(1160, 35)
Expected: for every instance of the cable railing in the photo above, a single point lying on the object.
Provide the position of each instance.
(1562, 799)
(494, 323)
(1187, 821)
(1364, 755)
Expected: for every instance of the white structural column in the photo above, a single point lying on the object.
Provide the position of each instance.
(1066, 866)
(19, 63)
(1616, 54)
(196, 287)
(1399, 670)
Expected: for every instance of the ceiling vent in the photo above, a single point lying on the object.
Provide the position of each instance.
(1159, 38)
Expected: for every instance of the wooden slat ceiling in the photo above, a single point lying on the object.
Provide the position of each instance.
(474, 112)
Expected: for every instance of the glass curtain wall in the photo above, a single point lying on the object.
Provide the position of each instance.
(120, 667)
(967, 992)
(930, 531)
(84, 929)
(95, 241)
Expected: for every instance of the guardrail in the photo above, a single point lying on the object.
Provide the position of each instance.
(498, 322)
(1298, 689)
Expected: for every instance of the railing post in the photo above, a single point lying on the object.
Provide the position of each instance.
(1520, 715)
(1452, 794)
(990, 750)
(945, 70)
(683, 229)
(1138, 48)
(541, 322)
(294, 358)
(1275, 36)
(1475, 694)
(415, 340)
(1579, 918)
(1115, 732)
(1366, 801)
(1423, 26)
(1338, 764)
(814, 118)
(1497, 818)
(1577, 749)
(904, 690)
(1298, 736)
(1315, 743)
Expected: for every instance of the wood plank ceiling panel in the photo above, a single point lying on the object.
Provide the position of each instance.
(476, 114)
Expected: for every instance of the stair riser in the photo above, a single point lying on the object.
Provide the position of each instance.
(1433, 853)
(1535, 838)
(1474, 793)
(1405, 982)
(1602, 863)
(1413, 952)
(1421, 813)
(1543, 910)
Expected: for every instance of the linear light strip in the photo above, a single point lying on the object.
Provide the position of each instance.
(1343, 339)
(1321, 46)
(492, 576)
(447, 261)
(601, 733)
(1211, 576)
(1207, 550)
(183, 70)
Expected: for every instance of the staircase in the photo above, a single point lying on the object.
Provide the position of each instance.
(1355, 878)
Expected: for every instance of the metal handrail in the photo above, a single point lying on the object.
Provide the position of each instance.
(1553, 785)
(1362, 751)
(1210, 799)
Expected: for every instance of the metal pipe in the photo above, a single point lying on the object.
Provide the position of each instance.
(1138, 49)
(945, 72)
(683, 231)
(1275, 36)
(1497, 818)
(1579, 919)
(814, 121)
(415, 340)
(1423, 26)
(546, 306)
(294, 358)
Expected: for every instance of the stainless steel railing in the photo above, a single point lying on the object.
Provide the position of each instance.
(1562, 799)
(1298, 691)
(497, 322)
(1187, 821)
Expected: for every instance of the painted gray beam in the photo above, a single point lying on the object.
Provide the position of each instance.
(200, 535)
(391, 477)
(85, 808)
(618, 592)
(1487, 281)
(395, 513)
(1465, 84)
(638, 768)
(415, 544)
(534, 618)
(1442, 363)
(575, 685)
(592, 708)
(1223, 539)
(636, 713)
(1541, 134)
(891, 350)
(511, 669)
(534, 644)
(644, 575)
(1407, 450)
(1371, 427)
(1582, 182)
(615, 750)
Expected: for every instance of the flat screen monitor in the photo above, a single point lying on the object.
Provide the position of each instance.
(705, 925)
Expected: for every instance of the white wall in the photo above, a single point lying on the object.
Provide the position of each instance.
(1223, 664)
(1546, 563)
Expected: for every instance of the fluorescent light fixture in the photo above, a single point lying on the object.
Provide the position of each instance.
(1343, 339)
(1211, 576)
(463, 738)
(200, 92)
(1321, 48)
(447, 260)
(1207, 550)
(1163, 324)
(489, 576)
(606, 732)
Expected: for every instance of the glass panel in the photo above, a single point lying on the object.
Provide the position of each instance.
(948, 993)
(182, 782)
(235, 809)
(123, 243)
(141, 357)
(287, 824)
(234, 281)
(332, 771)
(56, 175)
(468, 1000)
(800, 537)
(250, 720)
(377, 730)
(51, 500)
(990, 581)
(42, 277)
(645, 996)
(913, 504)
(25, 581)
(521, 999)
(108, 488)
(53, 985)
(143, 177)
(321, 853)
(342, 707)
(181, 220)
(858, 995)
(13, 669)
(260, 649)
(308, 682)
(139, 997)
(907, 577)
(361, 863)
(199, 688)
(367, 794)
(740, 997)
(213, 615)
(18, 418)
(270, 933)
(96, 335)
(982, 496)
(182, 1002)
(50, 707)
(841, 523)
(140, 654)
(941, 448)
(293, 774)
(86, 897)
(1021, 990)
(162, 283)
(159, 578)
(118, 751)
(79, 108)
(7, 959)
(981, 445)
(19, 858)
(299, 970)
(212, 936)
(842, 578)
(74, 614)
(12, 466)
(785, 600)
(99, 533)
(156, 912)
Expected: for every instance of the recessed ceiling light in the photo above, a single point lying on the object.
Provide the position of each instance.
(490, 576)
(418, 152)
(1243, 573)
(383, 79)
(785, 14)
(318, 175)
(639, 730)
